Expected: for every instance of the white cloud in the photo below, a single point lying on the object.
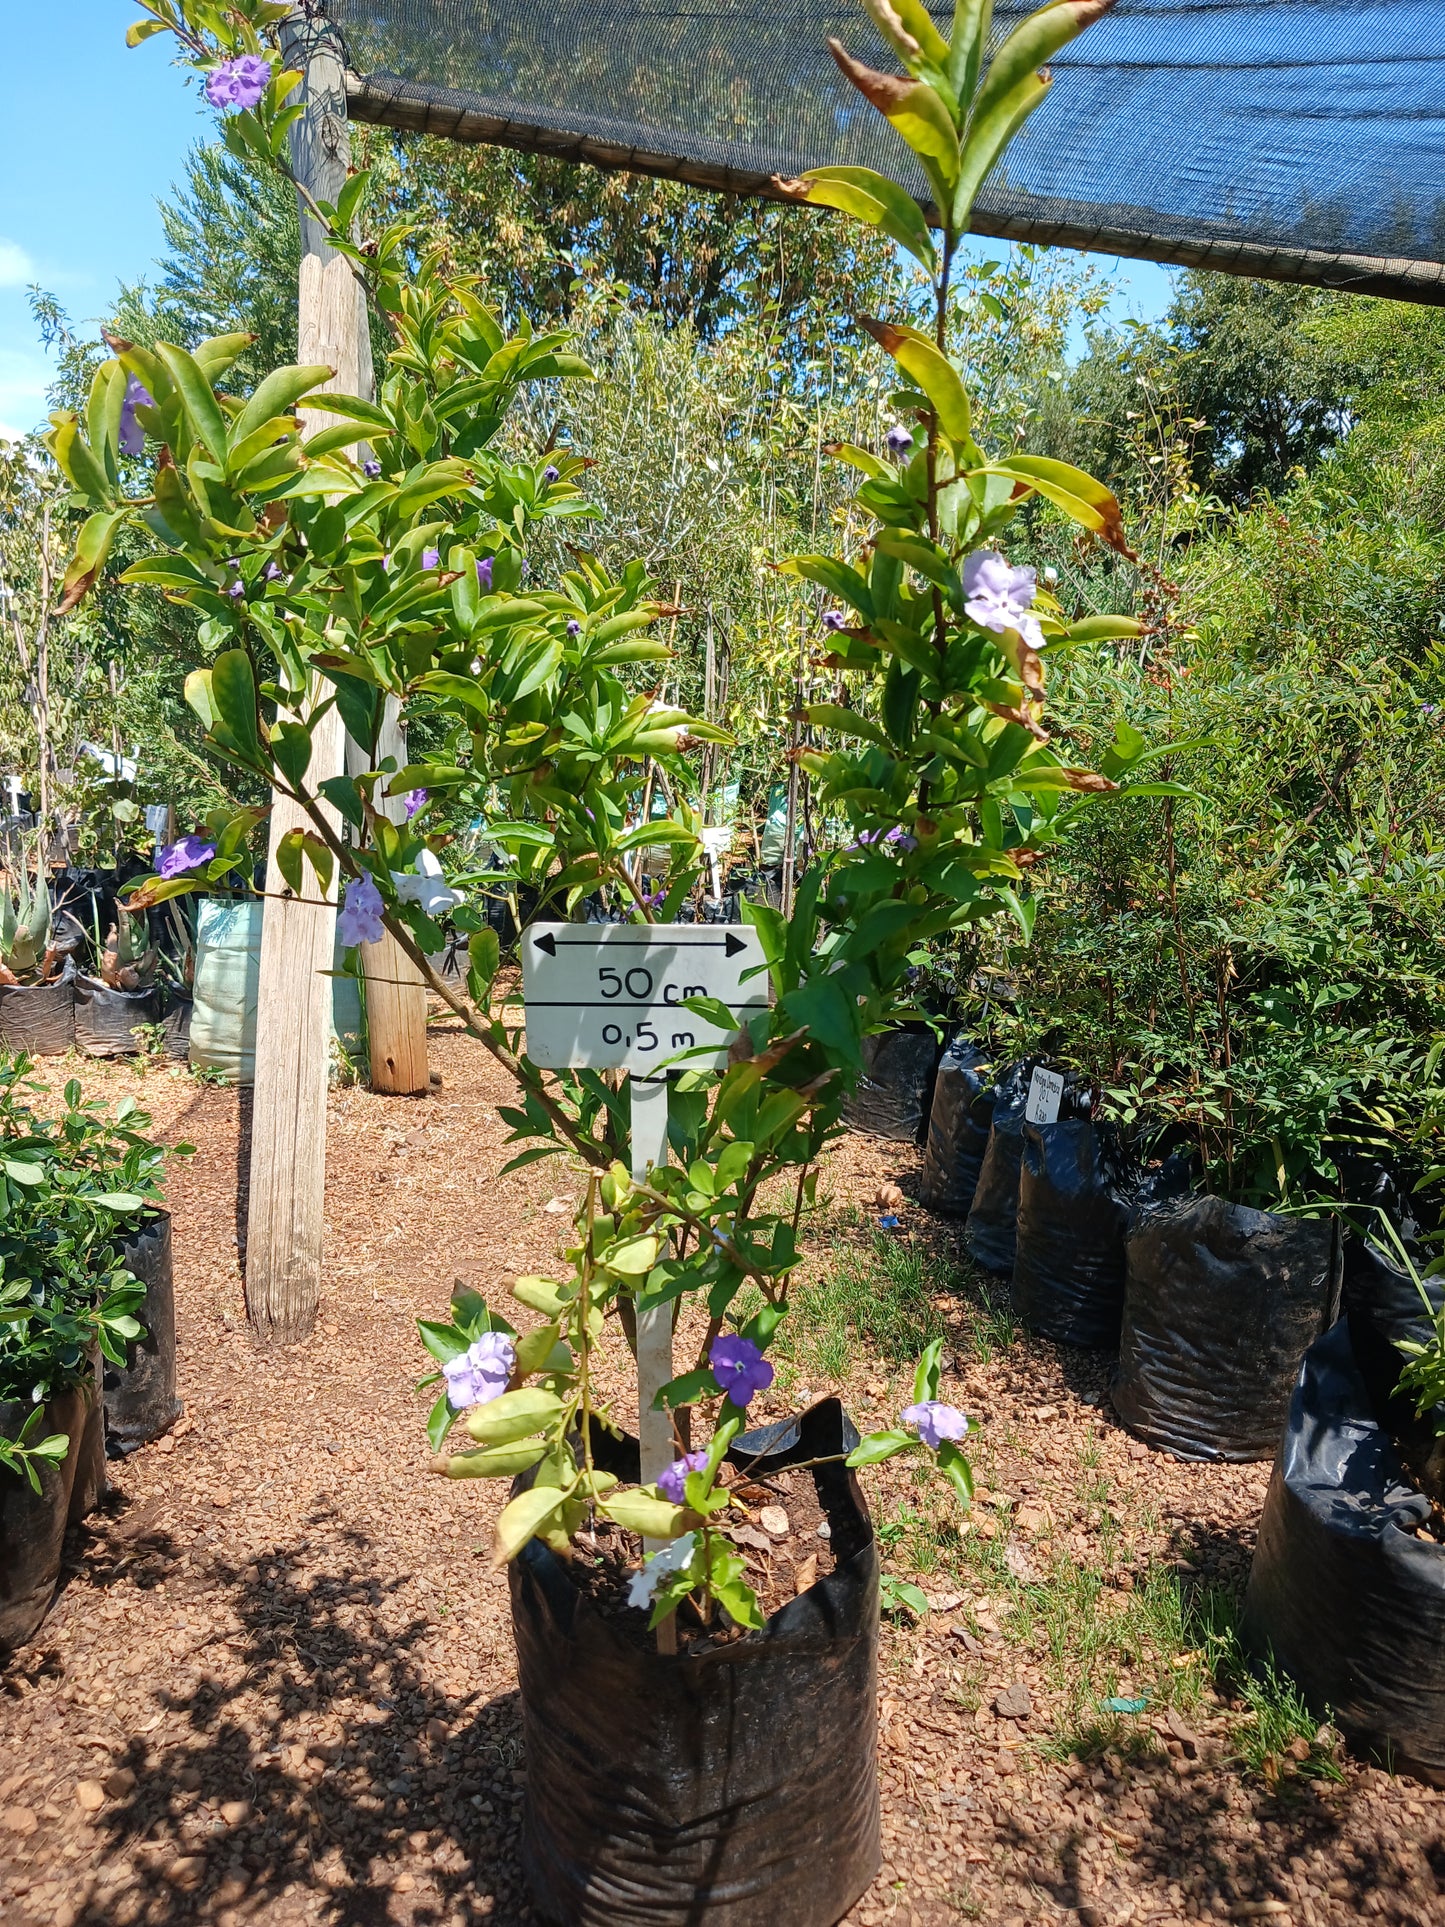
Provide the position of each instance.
(24, 377)
(17, 270)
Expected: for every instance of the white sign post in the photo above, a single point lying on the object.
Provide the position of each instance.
(609, 997)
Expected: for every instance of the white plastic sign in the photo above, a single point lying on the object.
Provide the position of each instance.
(609, 996)
(1046, 1093)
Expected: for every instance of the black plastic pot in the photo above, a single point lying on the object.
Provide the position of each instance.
(140, 1399)
(737, 1788)
(1073, 1209)
(1383, 1305)
(105, 1019)
(992, 1227)
(894, 1095)
(177, 1022)
(1342, 1595)
(38, 1018)
(1220, 1304)
(958, 1126)
(32, 1527)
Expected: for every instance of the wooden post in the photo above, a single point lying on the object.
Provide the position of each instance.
(285, 1218)
(395, 994)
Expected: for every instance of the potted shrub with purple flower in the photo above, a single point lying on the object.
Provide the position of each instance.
(701, 1739)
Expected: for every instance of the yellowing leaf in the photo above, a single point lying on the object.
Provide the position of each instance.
(523, 1518)
(515, 1415)
(935, 374)
(640, 1510)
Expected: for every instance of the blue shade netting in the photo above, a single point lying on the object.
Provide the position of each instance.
(1299, 139)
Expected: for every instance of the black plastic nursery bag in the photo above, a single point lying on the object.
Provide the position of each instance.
(32, 1528)
(992, 1218)
(39, 1018)
(958, 1124)
(1341, 1593)
(1220, 1304)
(1073, 1208)
(734, 1788)
(105, 1019)
(1383, 1304)
(140, 1398)
(893, 1095)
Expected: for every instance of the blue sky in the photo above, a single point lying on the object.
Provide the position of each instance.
(81, 172)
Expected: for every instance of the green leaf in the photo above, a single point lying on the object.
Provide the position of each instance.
(233, 695)
(686, 1389)
(23, 1173)
(847, 722)
(926, 1377)
(740, 1603)
(642, 1509)
(202, 410)
(522, 1519)
(515, 1415)
(1105, 629)
(277, 395)
(878, 1446)
(291, 750)
(496, 1461)
(543, 1295)
(913, 107)
(631, 1256)
(988, 136)
(118, 1200)
(956, 1469)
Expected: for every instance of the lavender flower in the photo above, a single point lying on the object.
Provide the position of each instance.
(371, 469)
(239, 82)
(1428, 712)
(549, 473)
(414, 801)
(740, 1368)
(935, 1422)
(484, 571)
(430, 558)
(360, 919)
(236, 591)
(273, 572)
(897, 836)
(898, 440)
(188, 853)
(480, 1373)
(999, 597)
(132, 435)
(672, 1483)
(574, 627)
(835, 620)
(662, 1565)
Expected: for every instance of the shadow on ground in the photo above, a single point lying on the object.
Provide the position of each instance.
(402, 1808)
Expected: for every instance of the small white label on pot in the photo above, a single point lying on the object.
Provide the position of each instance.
(1046, 1093)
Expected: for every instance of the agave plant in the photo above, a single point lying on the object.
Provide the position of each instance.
(25, 952)
(128, 959)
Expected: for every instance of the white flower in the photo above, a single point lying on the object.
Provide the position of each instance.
(425, 885)
(662, 1565)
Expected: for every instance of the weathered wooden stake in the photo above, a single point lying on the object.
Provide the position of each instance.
(395, 995)
(285, 1222)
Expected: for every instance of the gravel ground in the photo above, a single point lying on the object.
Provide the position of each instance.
(278, 1684)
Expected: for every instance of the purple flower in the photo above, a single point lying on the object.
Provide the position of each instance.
(897, 836)
(371, 469)
(132, 435)
(414, 801)
(740, 1368)
(549, 473)
(672, 1483)
(188, 853)
(484, 571)
(239, 82)
(360, 919)
(480, 1373)
(898, 439)
(999, 597)
(574, 627)
(835, 620)
(430, 558)
(1428, 712)
(236, 591)
(935, 1422)
(273, 572)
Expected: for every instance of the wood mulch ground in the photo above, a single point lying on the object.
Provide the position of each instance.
(278, 1684)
